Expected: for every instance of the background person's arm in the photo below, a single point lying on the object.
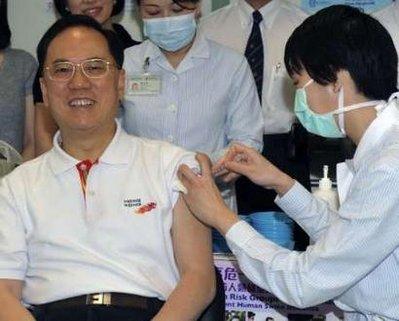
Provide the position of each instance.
(244, 123)
(29, 72)
(45, 128)
(10, 300)
(244, 119)
(192, 247)
(28, 151)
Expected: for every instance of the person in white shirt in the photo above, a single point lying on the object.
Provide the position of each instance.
(389, 18)
(95, 228)
(284, 141)
(188, 90)
(344, 65)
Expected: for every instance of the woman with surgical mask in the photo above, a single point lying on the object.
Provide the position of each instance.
(344, 66)
(100, 10)
(188, 90)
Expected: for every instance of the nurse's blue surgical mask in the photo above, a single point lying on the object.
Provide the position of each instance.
(325, 125)
(171, 33)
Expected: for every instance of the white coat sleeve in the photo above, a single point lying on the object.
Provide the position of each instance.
(355, 242)
(312, 214)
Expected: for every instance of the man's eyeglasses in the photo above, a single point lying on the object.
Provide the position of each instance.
(91, 68)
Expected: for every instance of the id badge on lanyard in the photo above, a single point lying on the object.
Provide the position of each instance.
(145, 84)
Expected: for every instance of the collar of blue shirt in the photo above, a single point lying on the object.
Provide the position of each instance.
(268, 11)
(200, 49)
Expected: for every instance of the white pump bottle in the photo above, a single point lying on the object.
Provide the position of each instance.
(326, 192)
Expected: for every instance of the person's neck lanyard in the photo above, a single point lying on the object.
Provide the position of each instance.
(83, 168)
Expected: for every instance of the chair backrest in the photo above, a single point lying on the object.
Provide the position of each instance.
(216, 309)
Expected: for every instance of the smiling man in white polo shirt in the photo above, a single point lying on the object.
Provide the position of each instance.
(95, 228)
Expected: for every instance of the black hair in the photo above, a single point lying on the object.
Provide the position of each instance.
(178, 2)
(5, 32)
(71, 21)
(341, 37)
(62, 7)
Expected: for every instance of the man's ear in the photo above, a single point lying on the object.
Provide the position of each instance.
(121, 83)
(43, 87)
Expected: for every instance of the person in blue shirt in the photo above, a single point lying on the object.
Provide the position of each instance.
(188, 90)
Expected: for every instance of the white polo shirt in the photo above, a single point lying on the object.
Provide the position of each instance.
(231, 26)
(63, 245)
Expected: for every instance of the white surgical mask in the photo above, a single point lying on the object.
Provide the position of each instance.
(325, 124)
(171, 33)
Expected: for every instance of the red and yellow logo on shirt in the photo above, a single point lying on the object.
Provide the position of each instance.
(138, 207)
(143, 209)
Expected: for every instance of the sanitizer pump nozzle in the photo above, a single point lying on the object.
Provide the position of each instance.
(325, 190)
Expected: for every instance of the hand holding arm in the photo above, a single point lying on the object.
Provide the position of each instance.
(222, 173)
(250, 163)
(203, 197)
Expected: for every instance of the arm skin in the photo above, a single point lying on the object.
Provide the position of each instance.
(45, 128)
(192, 247)
(28, 151)
(203, 197)
(10, 300)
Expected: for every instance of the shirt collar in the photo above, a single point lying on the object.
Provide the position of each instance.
(374, 133)
(268, 11)
(151, 51)
(115, 153)
(199, 49)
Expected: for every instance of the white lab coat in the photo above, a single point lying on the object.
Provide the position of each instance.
(355, 259)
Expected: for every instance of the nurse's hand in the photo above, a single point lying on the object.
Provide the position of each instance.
(203, 197)
(248, 162)
(223, 174)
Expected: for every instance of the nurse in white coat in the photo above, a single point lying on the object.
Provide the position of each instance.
(188, 90)
(344, 66)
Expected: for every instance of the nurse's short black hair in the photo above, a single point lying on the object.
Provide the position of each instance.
(62, 7)
(344, 38)
(5, 32)
(71, 21)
